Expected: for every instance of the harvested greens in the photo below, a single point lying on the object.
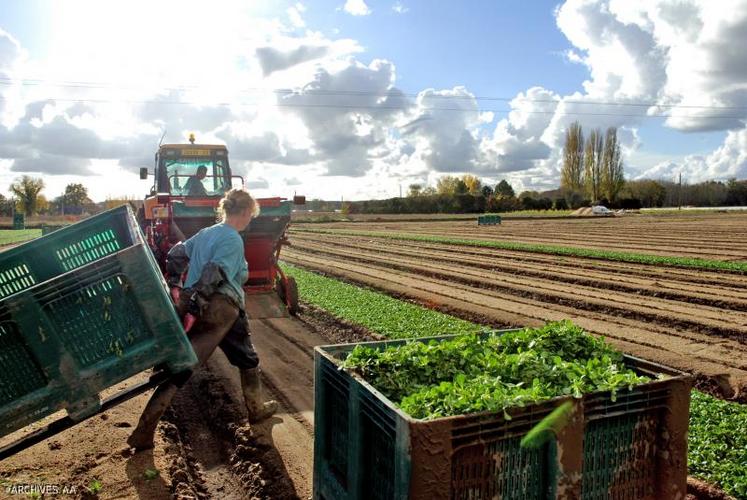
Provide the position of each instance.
(469, 373)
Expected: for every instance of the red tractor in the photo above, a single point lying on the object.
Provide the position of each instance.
(190, 180)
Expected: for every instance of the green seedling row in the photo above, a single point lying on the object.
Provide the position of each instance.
(717, 448)
(375, 311)
(590, 253)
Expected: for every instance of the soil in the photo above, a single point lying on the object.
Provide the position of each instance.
(712, 236)
(204, 446)
(694, 320)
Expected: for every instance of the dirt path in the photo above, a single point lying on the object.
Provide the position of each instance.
(204, 446)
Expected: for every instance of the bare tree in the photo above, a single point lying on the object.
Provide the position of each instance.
(593, 153)
(612, 178)
(571, 177)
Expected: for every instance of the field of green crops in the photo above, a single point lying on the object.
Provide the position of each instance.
(718, 429)
(10, 236)
(591, 253)
(390, 317)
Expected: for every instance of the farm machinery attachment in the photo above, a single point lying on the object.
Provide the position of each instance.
(190, 179)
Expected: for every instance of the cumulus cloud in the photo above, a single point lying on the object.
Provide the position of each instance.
(294, 14)
(346, 128)
(443, 129)
(52, 164)
(356, 8)
(262, 148)
(342, 117)
(173, 112)
(272, 59)
(677, 54)
(10, 54)
(726, 162)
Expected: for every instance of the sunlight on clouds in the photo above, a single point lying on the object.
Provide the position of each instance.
(356, 8)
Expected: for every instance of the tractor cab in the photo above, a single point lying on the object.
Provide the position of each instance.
(189, 182)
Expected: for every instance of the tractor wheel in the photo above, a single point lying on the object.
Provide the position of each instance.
(292, 294)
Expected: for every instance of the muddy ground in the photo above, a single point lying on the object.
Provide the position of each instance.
(204, 446)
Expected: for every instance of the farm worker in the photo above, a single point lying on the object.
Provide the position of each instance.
(213, 293)
(194, 186)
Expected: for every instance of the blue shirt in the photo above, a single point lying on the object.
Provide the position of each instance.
(221, 244)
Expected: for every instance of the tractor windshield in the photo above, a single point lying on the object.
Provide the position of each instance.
(196, 176)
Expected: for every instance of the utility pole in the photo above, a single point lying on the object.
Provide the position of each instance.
(679, 194)
(400, 190)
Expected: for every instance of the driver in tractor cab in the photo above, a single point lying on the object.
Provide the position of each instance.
(194, 186)
(213, 293)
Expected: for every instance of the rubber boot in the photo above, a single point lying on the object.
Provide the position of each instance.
(257, 408)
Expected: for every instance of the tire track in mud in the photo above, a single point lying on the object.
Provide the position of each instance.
(229, 458)
(707, 356)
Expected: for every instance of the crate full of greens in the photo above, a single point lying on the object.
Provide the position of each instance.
(534, 413)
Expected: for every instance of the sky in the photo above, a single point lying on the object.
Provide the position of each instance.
(357, 99)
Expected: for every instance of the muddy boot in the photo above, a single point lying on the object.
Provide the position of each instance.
(257, 408)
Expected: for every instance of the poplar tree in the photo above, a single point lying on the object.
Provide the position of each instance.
(572, 174)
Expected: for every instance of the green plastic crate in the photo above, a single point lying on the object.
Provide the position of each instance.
(66, 249)
(488, 220)
(64, 340)
(19, 221)
(366, 448)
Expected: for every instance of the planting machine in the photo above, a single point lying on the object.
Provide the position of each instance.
(189, 181)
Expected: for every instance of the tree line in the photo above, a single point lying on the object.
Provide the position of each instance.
(27, 198)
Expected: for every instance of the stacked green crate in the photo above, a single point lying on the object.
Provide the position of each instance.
(81, 309)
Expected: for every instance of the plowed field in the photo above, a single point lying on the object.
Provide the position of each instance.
(713, 236)
(690, 319)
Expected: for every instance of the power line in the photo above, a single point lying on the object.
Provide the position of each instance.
(375, 108)
(363, 93)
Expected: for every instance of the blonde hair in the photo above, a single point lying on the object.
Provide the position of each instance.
(236, 201)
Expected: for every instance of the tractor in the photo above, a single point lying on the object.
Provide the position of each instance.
(189, 181)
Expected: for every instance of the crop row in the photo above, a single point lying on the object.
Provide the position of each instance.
(375, 311)
(718, 429)
(590, 253)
